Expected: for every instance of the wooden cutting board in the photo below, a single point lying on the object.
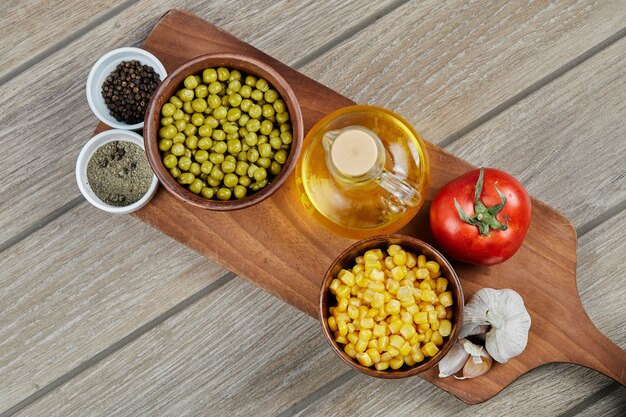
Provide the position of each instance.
(278, 247)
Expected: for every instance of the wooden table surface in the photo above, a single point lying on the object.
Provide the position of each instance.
(102, 315)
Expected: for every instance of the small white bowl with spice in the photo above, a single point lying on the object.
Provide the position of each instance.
(113, 173)
(120, 84)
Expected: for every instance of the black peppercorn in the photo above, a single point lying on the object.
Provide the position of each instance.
(127, 90)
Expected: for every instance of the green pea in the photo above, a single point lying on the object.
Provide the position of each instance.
(206, 192)
(188, 153)
(265, 150)
(250, 80)
(179, 138)
(255, 111)
(196, 186)
(167, 132)
(201, 155)
(251, 139)
(228, 166)
(282, 117)
(211, 121)
(253, 125)
(184, 163)
(242, 156)
(225, 101)
(199, 105)
(245, 91)
(264, 162)
(244, 147)
(262, 139)
(230, 180)
(216, 158)
(245, 181)
(175, 172)
(234, 75)
(281, 156)
(205, 131)
(215, 87)
(275, 143)
(279, 106)
(205, 143)
(197, 119)
(270, 95)
(246, 105)
(243, 119)
(275, 168)
(260, 174)
(230, 127)
(178, 115)
(190, 129)
(286, 138)
(206, 167)
(186, 95)
(251, 170)
(217, 173)
(223, 74)
(234, 86)
(176, 102)
(239, 191)
(191, 82)
(233, 115)
(213, 182)
(256, 95)
(165, 145)
(274, 133)
(234, 146)
(267, 110)
(223, 194)
(170, 161)
(187, 108)
(220, 147)
(195, 168)
(218, 135)
(253, 155)
(178, 149)
(168, 109)
(262, 85)
(233, 135)
(241, 168)
(230, 158)
(186, 178)
(209, 75)
(260, 184)
(180, 125)
(220, 113)
(266, 127)
(201, 91)
(187, 116)
(214, 101)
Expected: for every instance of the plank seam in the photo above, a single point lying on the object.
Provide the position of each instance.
(57, 46)
(502, 107)
(129, 338)
(590, 400)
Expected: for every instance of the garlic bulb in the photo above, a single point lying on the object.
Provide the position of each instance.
(467, 356)
(504, 311)
(455, 359)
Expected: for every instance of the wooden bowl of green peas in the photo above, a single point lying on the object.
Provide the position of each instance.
(223, 131)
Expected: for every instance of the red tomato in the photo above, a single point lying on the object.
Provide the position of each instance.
(481, 220)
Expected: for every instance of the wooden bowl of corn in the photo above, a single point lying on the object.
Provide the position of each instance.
(391, 306)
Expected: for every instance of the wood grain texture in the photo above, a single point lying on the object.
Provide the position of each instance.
(549, 245)
(565, 142)
(80, 284)
(613, 405)
(238, 352)
(43, 169)
(26, 32)
(441, 65)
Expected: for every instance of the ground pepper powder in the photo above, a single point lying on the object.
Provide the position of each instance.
(119, 173)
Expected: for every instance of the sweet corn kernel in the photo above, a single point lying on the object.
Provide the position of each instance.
(422, 273)
(397, 273)
(360, 345)
(421, 317)
(421, 338)
(368, 295)
(350, 350)
(441, 311)
(363, 310)
(354, 290)
(414, 340)
(342, 305)
(432, 266)
(410, 275)
(393, 307)
(378, 301)
(393, 249)
(379, 330)
(396, 363)
(425, 286)
(396, 341)
(432, 317)
(386, 357)
(407, 330)
(395, 326)
(392, 286)
(421, 261)
(374, 354)
(429, 296)
(353, 301)
(417, 293)
(423, 328)
(341, 339)
(412, 309)
(357, 268)
(334, 284)
(353, 337)
(409, 361)
(429, 349)
(399, 258)
(435, 325)
(445, 298)
(346, 277)
(405, 293)
(379, 253)
(370, 255)
(405, 349)
(389, 262)
(365, 334)
(351, 328)
(373, 312)
(376, 275)
(372, 344)
(376, 286)
(332, 323)
(445, 327)
(428, 335)
(342, 316)
(406, 317)
(449, 312)
(364, 359)
(342, 328)
(353, 312)
(359, 260)
(436, 338)
(383, 343)
(343, 291)
(424, 306)
(332, 310)
(381, 366)
(367, 323)
(417, 356)
(388, 296)
(361, 280)
(393, 351)
(431, 283)
(435, 275)
(411, 260)
(373, 265)
(442, 284)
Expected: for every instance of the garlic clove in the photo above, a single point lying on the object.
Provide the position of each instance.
(455, 359)
(476, 366)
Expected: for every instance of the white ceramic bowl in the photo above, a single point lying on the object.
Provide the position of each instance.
(81, 170)
(103, 67)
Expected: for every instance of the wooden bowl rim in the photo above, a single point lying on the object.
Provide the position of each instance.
(376, 242)
(243, 63)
